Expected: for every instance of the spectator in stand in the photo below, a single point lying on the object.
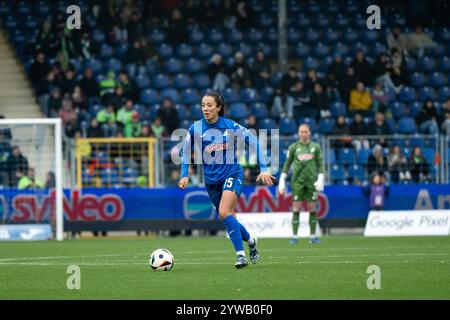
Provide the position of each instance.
(420, 43)
(362, 67)
(240, 72)
(54, 103)
(337, 68)
(94, 130)
(158, 128)
(427, 118)
(125, 113)
(244, 15)
(310, 80)
(79, 100)
(332, 86)
(217, 73)
(298, 103)
(287, 84)
(377, 191)
(380, 98)
(67, 114)
(360, 100)
(228, 14)
(382, 70)
(88, 84)
(106, 118)
(445, 117)
(397, 40)
(379, 127)
(191, 11)
(340, 128)
(50, 180)
(117, 99)
(107, 85)
(169, 116)
(348, 84)
(146, 131)
(5, 133)
(248, 179)
(129, 86)
(174, 177)
(133, 128)
(377, 162)
(38, 70)
(319, 101)
(134, 26)
(261, 68)
(177, 28)
(87, 49)
(358, 128)
(29, 180)
(399, 72)
(208, 15)
(194, 178)
(250, 123)
(418, 166)
(46, 40)
(15, 162)
(69, 82)
(136, 58)
(397, 165)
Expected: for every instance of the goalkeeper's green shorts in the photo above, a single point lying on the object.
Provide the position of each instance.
(304, 192)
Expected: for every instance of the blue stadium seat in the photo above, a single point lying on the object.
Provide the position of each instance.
(106, 51)
(437, 79)
(245, 49)
(341, 48)
(142, 81)
(356, 172)
(267, 124)
(350, 35)
(196, 36)
(444, 64)
(185, 124)
(417, 79)
(249, 95)
(173, 66)
(161, 81)
(338, 109)
(346, 156)
(204, 51)
(414, 108)
(238, 111)
(254, 36)
(259, 110)
(429, 155)
(311, 122)
(321, 50)
(189, 96)
(184, 51)
(427, 64)
(165, 51)
(444, 93)
(193, 66)
(293, 35)
(426, 93)
(337, 173)
(98, 36)
(266, 94)
(113, 64)
(326, 126)
(407, 125)
(225, 50)
(182, 112)
(398, 109)
(331, 36)
(407, 95)
(312, 35)
(201, 81)
(181, 81)
(215, 35)
(311, 63)
(94, 64)
(363, 156)
(157, 35)
(288, 126)
(231, 95)
(235, 36)
(196, 111)
(149, 96)
(411, 64)
(169, 93)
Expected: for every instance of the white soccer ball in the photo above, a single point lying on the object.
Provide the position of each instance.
(161, 260)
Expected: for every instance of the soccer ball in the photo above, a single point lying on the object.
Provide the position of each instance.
(161, 260)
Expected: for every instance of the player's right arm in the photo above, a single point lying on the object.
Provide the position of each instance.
(287, 165)
(188, 145)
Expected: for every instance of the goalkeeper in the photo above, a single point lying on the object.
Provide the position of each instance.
(307, 179)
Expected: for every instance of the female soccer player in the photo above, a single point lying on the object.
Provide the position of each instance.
(215, 135)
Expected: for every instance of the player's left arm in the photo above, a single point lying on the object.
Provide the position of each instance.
(319, 184)
(245, 135)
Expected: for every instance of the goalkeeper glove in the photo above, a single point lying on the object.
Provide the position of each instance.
(319, 183)
(282, 183)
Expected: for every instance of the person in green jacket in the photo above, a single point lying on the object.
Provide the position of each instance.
(108, 84)
(29, 181)
(106, 117)
(134, 127)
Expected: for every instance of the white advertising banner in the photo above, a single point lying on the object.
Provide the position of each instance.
(275, 225)
(408, 223)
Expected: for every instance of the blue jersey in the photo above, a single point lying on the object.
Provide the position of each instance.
(216, 145)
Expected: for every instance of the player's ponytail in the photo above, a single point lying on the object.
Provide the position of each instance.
(220, 101)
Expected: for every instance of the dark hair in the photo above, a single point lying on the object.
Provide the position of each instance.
(220, 101)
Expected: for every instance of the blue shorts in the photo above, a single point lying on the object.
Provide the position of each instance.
(215, 190)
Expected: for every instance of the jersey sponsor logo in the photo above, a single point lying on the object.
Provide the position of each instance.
(305, 157)
(216, 147)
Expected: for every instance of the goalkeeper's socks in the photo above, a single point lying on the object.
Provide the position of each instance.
(234, 232)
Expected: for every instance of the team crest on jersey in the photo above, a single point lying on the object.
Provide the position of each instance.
(305, 157)
(215, 147)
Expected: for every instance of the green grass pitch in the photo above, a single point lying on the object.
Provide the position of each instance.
(411, 268)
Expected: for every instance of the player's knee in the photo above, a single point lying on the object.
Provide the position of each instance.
(223, 213)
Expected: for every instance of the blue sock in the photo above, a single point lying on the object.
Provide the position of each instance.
(234, 232)
(244, 233)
